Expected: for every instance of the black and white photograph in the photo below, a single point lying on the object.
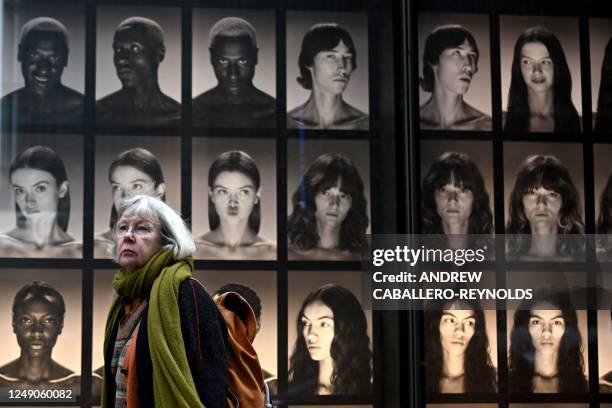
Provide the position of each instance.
(43, 70)
(600, 45)
(603, 200)
(330, 335)
(103, 294)
(454, 72)
(128, 166)
(234, 68)
(41, 196)
(540, 74)
(328, 199)
(138, 66)
(544, 201)
(42, 309)
(327, 70)
(234, 198)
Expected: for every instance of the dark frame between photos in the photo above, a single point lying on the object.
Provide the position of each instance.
(582, 11)
(95, 134)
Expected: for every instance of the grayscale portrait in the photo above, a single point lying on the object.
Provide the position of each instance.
(234, 68)
(454, 71)
(234, 198)
(330, 351)
(600, 45)
(603, 200)
(544, 192)
(540, 74)
(128, 166)
(327, 70)
(43, 74)
(41, 196)
(43, 310)
(102, 299)
(139, 51)
(328, 188)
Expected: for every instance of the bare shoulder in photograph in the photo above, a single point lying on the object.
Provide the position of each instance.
(138, 50)
(42, 208)
(234, 211)
(327, 59)
(450, 61)
(43, 54)
(38, 320)
(235, 101)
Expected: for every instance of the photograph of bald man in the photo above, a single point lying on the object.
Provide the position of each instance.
(235, 101)
(138, 47)
(43, 54)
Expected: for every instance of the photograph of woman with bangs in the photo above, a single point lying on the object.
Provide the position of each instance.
(329, 218)
(544, 212)
(546, 353)
(457, 358)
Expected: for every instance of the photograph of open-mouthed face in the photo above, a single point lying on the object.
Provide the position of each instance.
(600, 45)
(454, 72)
(43, 77)
(128, 166)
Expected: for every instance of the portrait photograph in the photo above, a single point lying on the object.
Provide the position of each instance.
(41, 196)
(600, 45)
(329, 334)
(138, 66)
(328, 199)
(603, 200)
(540, 74)
(327, 70)
(43, 70)
(544, 201)
(454, 71)
(42, 309)
(234, 198)
(128, 166)
(234, 68)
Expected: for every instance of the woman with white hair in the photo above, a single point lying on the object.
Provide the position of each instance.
(165, 342)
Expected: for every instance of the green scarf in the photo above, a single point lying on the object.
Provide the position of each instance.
(159, 280)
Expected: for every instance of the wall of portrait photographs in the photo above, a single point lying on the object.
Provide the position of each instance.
(262, 123)
(512, 137)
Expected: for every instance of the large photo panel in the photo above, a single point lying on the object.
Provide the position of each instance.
(600, 45)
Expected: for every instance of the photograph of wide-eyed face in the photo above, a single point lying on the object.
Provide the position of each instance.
(454, 71)
(603, 200)
(234, 198)
(600, 45)
(138, 66)
(42, 310)
(544, 186)
(44, 83)
(131, 165)
(328, 199)
(326, 326)
(327, 59)
(540, 74)
(234, 68)
(41, 196)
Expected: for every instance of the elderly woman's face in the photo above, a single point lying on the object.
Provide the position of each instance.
(333, 205)
(234, 195)
(318, 330)
(37, 324)
(456, 67)
(36, 192)
(332, 69)
(546, 328)
(542, 208)
(138, 239)
(456, 327)
(128, 181)
(537, 67)
(454, 204)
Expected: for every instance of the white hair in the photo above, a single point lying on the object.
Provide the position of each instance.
(174, 232)
(232, 27)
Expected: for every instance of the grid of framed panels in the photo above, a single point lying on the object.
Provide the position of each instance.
(514, 138)
(258, 122)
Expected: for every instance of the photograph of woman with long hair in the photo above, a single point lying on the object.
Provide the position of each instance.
(603, 118)
(457, 351)
(544, 213)
(450, 61)
(546, 346)
(329, 217)
(603, 226)
(331, 355)
(540, 95)
(42, 207)
(134, 171)
(327, 59)
(234, 211)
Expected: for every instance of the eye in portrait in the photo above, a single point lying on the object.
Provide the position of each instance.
(234, 69)
(603, 200)
(454, 68)
(139, 51)
(43, 71)
(322, 54)
(540, 62)
(600, 46)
